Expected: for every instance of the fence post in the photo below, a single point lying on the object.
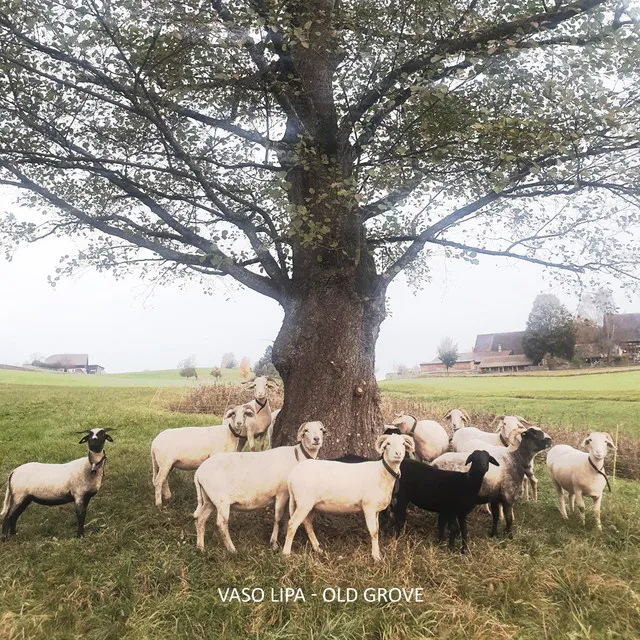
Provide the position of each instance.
(615, 453)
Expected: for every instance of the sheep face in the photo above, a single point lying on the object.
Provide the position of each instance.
(480, 460)
(393, 447)
(457, 418)
(260, 387)
(311, 434)
(96, 439)
(598, 443)
(536, 438)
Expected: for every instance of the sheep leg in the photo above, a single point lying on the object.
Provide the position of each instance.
(442, 526)
(580, 503)
(561, 505)
(10, 520)
(251, 439)
(525, 487)
(296, 519)
(223, 525)
(495, 512)
(453, 531)
(596, 510)
(371, 518)
(507, 509)
(281, 503)
(572, 502)
(162, 486)
(311, 534)
(241, 443)
(203, 516)
(462, 523)
(399, 511)
(81, 513)
(198, 497)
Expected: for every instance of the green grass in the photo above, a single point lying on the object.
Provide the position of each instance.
(162, 378)
(601, 401)
(137, 575)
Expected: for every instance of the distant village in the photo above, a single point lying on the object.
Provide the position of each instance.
(617, 338)
(61, 363)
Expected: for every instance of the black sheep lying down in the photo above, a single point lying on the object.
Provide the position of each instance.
(451, 494)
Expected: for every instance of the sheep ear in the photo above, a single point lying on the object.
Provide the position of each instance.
(381, 443)
(248, 411)
(323, 428)
(497, 419)
(85, 439)
(524, 421)
(609, 440)
(409, 444)
(272, 384)
(447, 415)
(493, 461)
(465, 415)
(514, 434)
(301, 431)
(586, 442)
(108, 437)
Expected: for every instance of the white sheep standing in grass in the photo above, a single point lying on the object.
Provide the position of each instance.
(249, 481)
(431, 440)
(53, 484)
(580, 473)
(335, 487)
(188, 447)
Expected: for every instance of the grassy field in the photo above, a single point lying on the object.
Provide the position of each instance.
(598, 401)
(162, 378)
(137, 575)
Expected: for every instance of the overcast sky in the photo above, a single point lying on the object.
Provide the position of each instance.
(129, 325)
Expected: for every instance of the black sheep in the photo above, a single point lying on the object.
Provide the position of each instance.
(451, 494)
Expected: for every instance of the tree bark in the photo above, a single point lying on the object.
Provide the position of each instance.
(325, 353)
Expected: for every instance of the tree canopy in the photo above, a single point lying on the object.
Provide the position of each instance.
(448, 352)
(550, 330)
(178, 135)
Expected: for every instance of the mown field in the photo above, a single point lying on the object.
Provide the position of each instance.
(137, 574)
(162, 378)
(584, 402)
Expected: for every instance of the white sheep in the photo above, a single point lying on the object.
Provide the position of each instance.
(500, 437)
(431, 440)
(262, 424)
(249, 481)
(580, 473)
(53, 484)
(188, 447)
(457, 418)
(335, 487)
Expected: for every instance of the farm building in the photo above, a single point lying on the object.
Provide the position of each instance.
(500, 352)
(71, 363)
(623, 330)
(464, 363)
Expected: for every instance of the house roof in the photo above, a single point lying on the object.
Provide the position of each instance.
(489, 362)
(510, 341)
(623, 327)
(467, 356)
(67, 360)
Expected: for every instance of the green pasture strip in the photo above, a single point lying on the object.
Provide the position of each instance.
(167, 378)
(556, 401)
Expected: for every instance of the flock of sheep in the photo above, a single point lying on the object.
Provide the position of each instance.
(481, 468)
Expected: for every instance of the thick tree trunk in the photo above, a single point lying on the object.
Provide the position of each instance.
(325, 353)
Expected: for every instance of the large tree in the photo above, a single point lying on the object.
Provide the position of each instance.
(313, 150)
(550, 330)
